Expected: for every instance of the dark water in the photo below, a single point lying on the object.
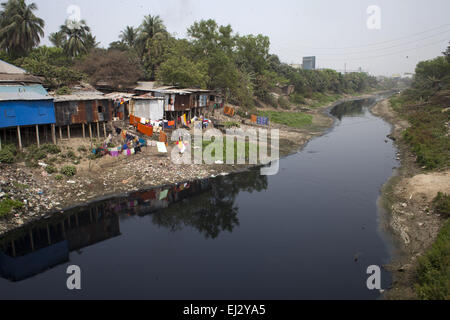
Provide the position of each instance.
(294, 235)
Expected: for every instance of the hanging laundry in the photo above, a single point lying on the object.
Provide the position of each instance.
(163, 194)
(161, 147)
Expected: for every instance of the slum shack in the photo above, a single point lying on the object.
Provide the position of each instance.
(146, 112)
(120, 103)
(27, 113)
(79, 110)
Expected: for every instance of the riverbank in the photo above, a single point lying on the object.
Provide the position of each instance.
(407, 198)
(41, 194)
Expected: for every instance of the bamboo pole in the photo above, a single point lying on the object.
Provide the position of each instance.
(53, 134)
(19, 137)
(37, 136)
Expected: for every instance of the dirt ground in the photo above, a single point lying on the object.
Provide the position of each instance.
(407, 196)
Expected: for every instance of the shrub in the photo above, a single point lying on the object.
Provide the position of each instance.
(71, 155)
(51, 169)
(433, 271)
(6, 156)
(51, 148)
(59, 177)
(82, 149)
(442, 204)
(69, 171)
(63, 91)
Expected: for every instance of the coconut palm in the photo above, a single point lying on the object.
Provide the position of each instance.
(58, 39)
(151, 27)
(20, 29)
(76, 34)
(129, 36)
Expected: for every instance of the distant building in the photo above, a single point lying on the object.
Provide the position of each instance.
(309, 63)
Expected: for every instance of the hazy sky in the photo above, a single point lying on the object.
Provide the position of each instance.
(333, 30)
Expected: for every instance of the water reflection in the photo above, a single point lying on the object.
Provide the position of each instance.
(351, 108)
(206, 205)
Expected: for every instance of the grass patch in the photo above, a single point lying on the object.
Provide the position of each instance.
(434, 269)
(7, 205)
(322, 99)
(291, 119)
(428, 138)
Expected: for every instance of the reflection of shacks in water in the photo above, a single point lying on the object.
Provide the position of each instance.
(207, 205)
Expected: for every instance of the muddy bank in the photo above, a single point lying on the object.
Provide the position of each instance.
(406, 199)
(42, 195)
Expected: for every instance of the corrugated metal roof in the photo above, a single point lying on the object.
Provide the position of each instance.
(119, 95)
(150, 86)
(8, 68)
(147, 96)
(17, 96)
(79, 97)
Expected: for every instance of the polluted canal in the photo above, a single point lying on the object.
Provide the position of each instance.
(309, 232)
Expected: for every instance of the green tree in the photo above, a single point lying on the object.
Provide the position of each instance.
(76, 41)
(181, 71)
(151, 43)
(20, 29)
(57, 39)
(129, 36)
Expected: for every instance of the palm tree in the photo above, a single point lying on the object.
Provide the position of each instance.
(151, 27)
(91, 42)
(129, 36)
(20, 29)
(76, 34)
(58, 39)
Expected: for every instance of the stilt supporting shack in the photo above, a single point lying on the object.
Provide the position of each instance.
(68, 131)
(90, 131)
(60, 133)
(104, 128)
(98, 130)
(84, 133)
(53, 134)
(19, 138)
(37, 136)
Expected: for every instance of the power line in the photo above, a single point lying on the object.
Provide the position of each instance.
(379, 43)
(389, 54)
(386, 48)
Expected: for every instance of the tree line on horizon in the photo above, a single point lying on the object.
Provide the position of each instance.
(212, 57)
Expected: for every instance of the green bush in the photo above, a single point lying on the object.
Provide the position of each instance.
(63, 91)
(6, 156)
(434, 269)
(69, 171)
(297, 99)
(51, 148)
(59, 177)
(51, 169)
(442, 204)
